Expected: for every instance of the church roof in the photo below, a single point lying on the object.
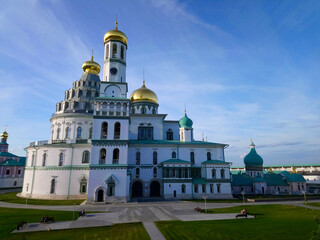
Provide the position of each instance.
(274, 179)
(259, 179)
(12, 162)
(175, 160)
(7, 154)
(215, 162)
(185, 122)
(253, 158)
(295, 177)
(241, 180)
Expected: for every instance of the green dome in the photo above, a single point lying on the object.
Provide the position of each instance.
(253, 158)
(185, 122)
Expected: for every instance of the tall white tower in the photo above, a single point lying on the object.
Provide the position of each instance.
(115, 47)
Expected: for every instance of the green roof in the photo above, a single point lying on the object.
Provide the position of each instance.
(253, 158)
(185, 122)
(175, 161)
(3, 143)
(241, 180)
(259, 179)
(7, 154)
(198, 180)
(274, 179)
(11, 162)
(295, 177)
(215, 162)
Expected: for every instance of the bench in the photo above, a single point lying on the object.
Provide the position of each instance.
(47, 219)
(242, 215)
(21, 224)
(197, 209)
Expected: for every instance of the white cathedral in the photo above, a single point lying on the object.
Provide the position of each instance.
(106, 147)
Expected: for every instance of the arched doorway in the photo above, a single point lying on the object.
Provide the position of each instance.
(155, 189)
(137, 189)
(100, 195)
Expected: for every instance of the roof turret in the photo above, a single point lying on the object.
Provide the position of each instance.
(253, 158)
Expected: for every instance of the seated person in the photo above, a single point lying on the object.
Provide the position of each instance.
(244, 211)
(44, 219)
(82, 213)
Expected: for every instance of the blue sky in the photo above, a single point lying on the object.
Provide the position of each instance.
(245, 69)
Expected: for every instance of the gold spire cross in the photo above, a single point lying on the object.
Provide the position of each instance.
(116, 22)
(92, 55)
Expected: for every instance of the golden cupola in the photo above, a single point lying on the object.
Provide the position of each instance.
(91, 67)
(4, 135)
(116, 35)
(143, 94)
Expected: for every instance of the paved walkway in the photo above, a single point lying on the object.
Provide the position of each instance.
(147, 213)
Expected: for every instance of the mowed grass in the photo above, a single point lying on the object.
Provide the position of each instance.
(273, 222)
(12, 198)
(10, 217)
(316, 204)
(215, 200)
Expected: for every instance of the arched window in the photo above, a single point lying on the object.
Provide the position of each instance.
(154, 111)
(204, 189)
(122, 52)
(222, 173)
(138, 157)
(103, 154)
(117, 130)
(115, 158)
(183, 188)
(186, 173)
(143, 110)
(114, 50)
(196, 188)
(104, 130)
(154, 172)
(53, 186)
(208, 155)
(8, 172)
(107, 51)
(90, 133)
(60, 159)
(179, 173)
(213, 173)
(83, 185)
(137, 172)
(67, 132)
(192, 157)
(79, 130)
(32, 160)
(174, 154)
(155, 158)
(19, 171)
(169, 134)
(85, 157)
(44, 158)
(58, 133)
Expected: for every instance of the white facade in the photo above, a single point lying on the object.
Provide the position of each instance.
(133, 151)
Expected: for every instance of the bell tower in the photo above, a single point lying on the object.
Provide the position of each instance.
(115, 53)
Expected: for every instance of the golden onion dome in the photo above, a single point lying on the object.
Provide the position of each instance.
(143, 94)
(116, 35)
(91, 67)
(4, 135)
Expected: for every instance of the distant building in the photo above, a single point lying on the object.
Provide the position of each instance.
(252, 179)
(11, 166)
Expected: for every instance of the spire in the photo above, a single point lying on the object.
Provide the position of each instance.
(92, 56)
(185, 108)
(252, 144)
(116, 28)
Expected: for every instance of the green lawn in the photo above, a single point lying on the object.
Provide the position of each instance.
(10, 217)
(12, 198)
(215, 200)
(275, 222)
(315, 204)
